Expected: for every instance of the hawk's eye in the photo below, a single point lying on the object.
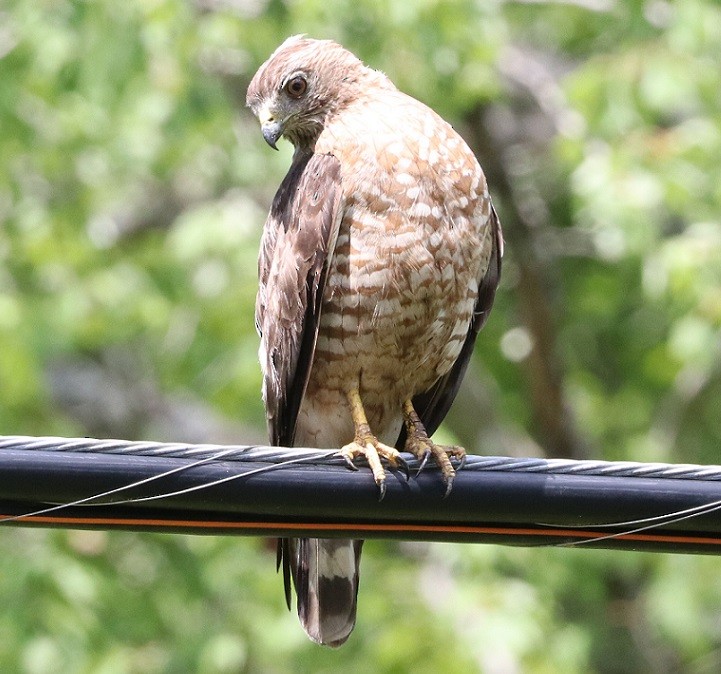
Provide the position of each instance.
(296, 86)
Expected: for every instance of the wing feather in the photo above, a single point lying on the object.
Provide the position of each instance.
(298, 241)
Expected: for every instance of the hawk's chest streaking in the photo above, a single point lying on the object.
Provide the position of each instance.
(414, 241)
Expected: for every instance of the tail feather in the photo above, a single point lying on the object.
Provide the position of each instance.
(325, 576)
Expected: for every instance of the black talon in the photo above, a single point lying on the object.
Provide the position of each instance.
(403, 465)
(349, 463)
(424, 461)
(381, 490)
(449, 486)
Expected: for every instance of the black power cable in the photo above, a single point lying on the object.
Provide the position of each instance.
(214, 489)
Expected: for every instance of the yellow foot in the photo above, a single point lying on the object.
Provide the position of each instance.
(422, 447)
(368, 446)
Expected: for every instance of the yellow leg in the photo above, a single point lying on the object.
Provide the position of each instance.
(422, 447)
(367, 445)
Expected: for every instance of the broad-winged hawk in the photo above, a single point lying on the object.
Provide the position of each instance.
(378, 266)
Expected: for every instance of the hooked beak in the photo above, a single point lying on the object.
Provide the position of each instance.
(272, 130)
(270, 127)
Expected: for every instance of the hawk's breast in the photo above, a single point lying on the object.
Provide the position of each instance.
(413, 243)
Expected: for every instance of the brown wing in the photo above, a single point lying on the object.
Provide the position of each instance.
(433, 405)
(298, 241)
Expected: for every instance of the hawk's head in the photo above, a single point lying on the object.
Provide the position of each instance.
(300, 85)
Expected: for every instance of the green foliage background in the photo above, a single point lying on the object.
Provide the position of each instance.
(133, 187)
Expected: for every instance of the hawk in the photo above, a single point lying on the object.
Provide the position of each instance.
(378, 265)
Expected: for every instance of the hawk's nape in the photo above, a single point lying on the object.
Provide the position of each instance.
(378, 266)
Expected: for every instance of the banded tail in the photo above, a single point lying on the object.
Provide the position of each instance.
(325, 576)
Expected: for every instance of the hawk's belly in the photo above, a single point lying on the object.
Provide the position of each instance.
(395, 314)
